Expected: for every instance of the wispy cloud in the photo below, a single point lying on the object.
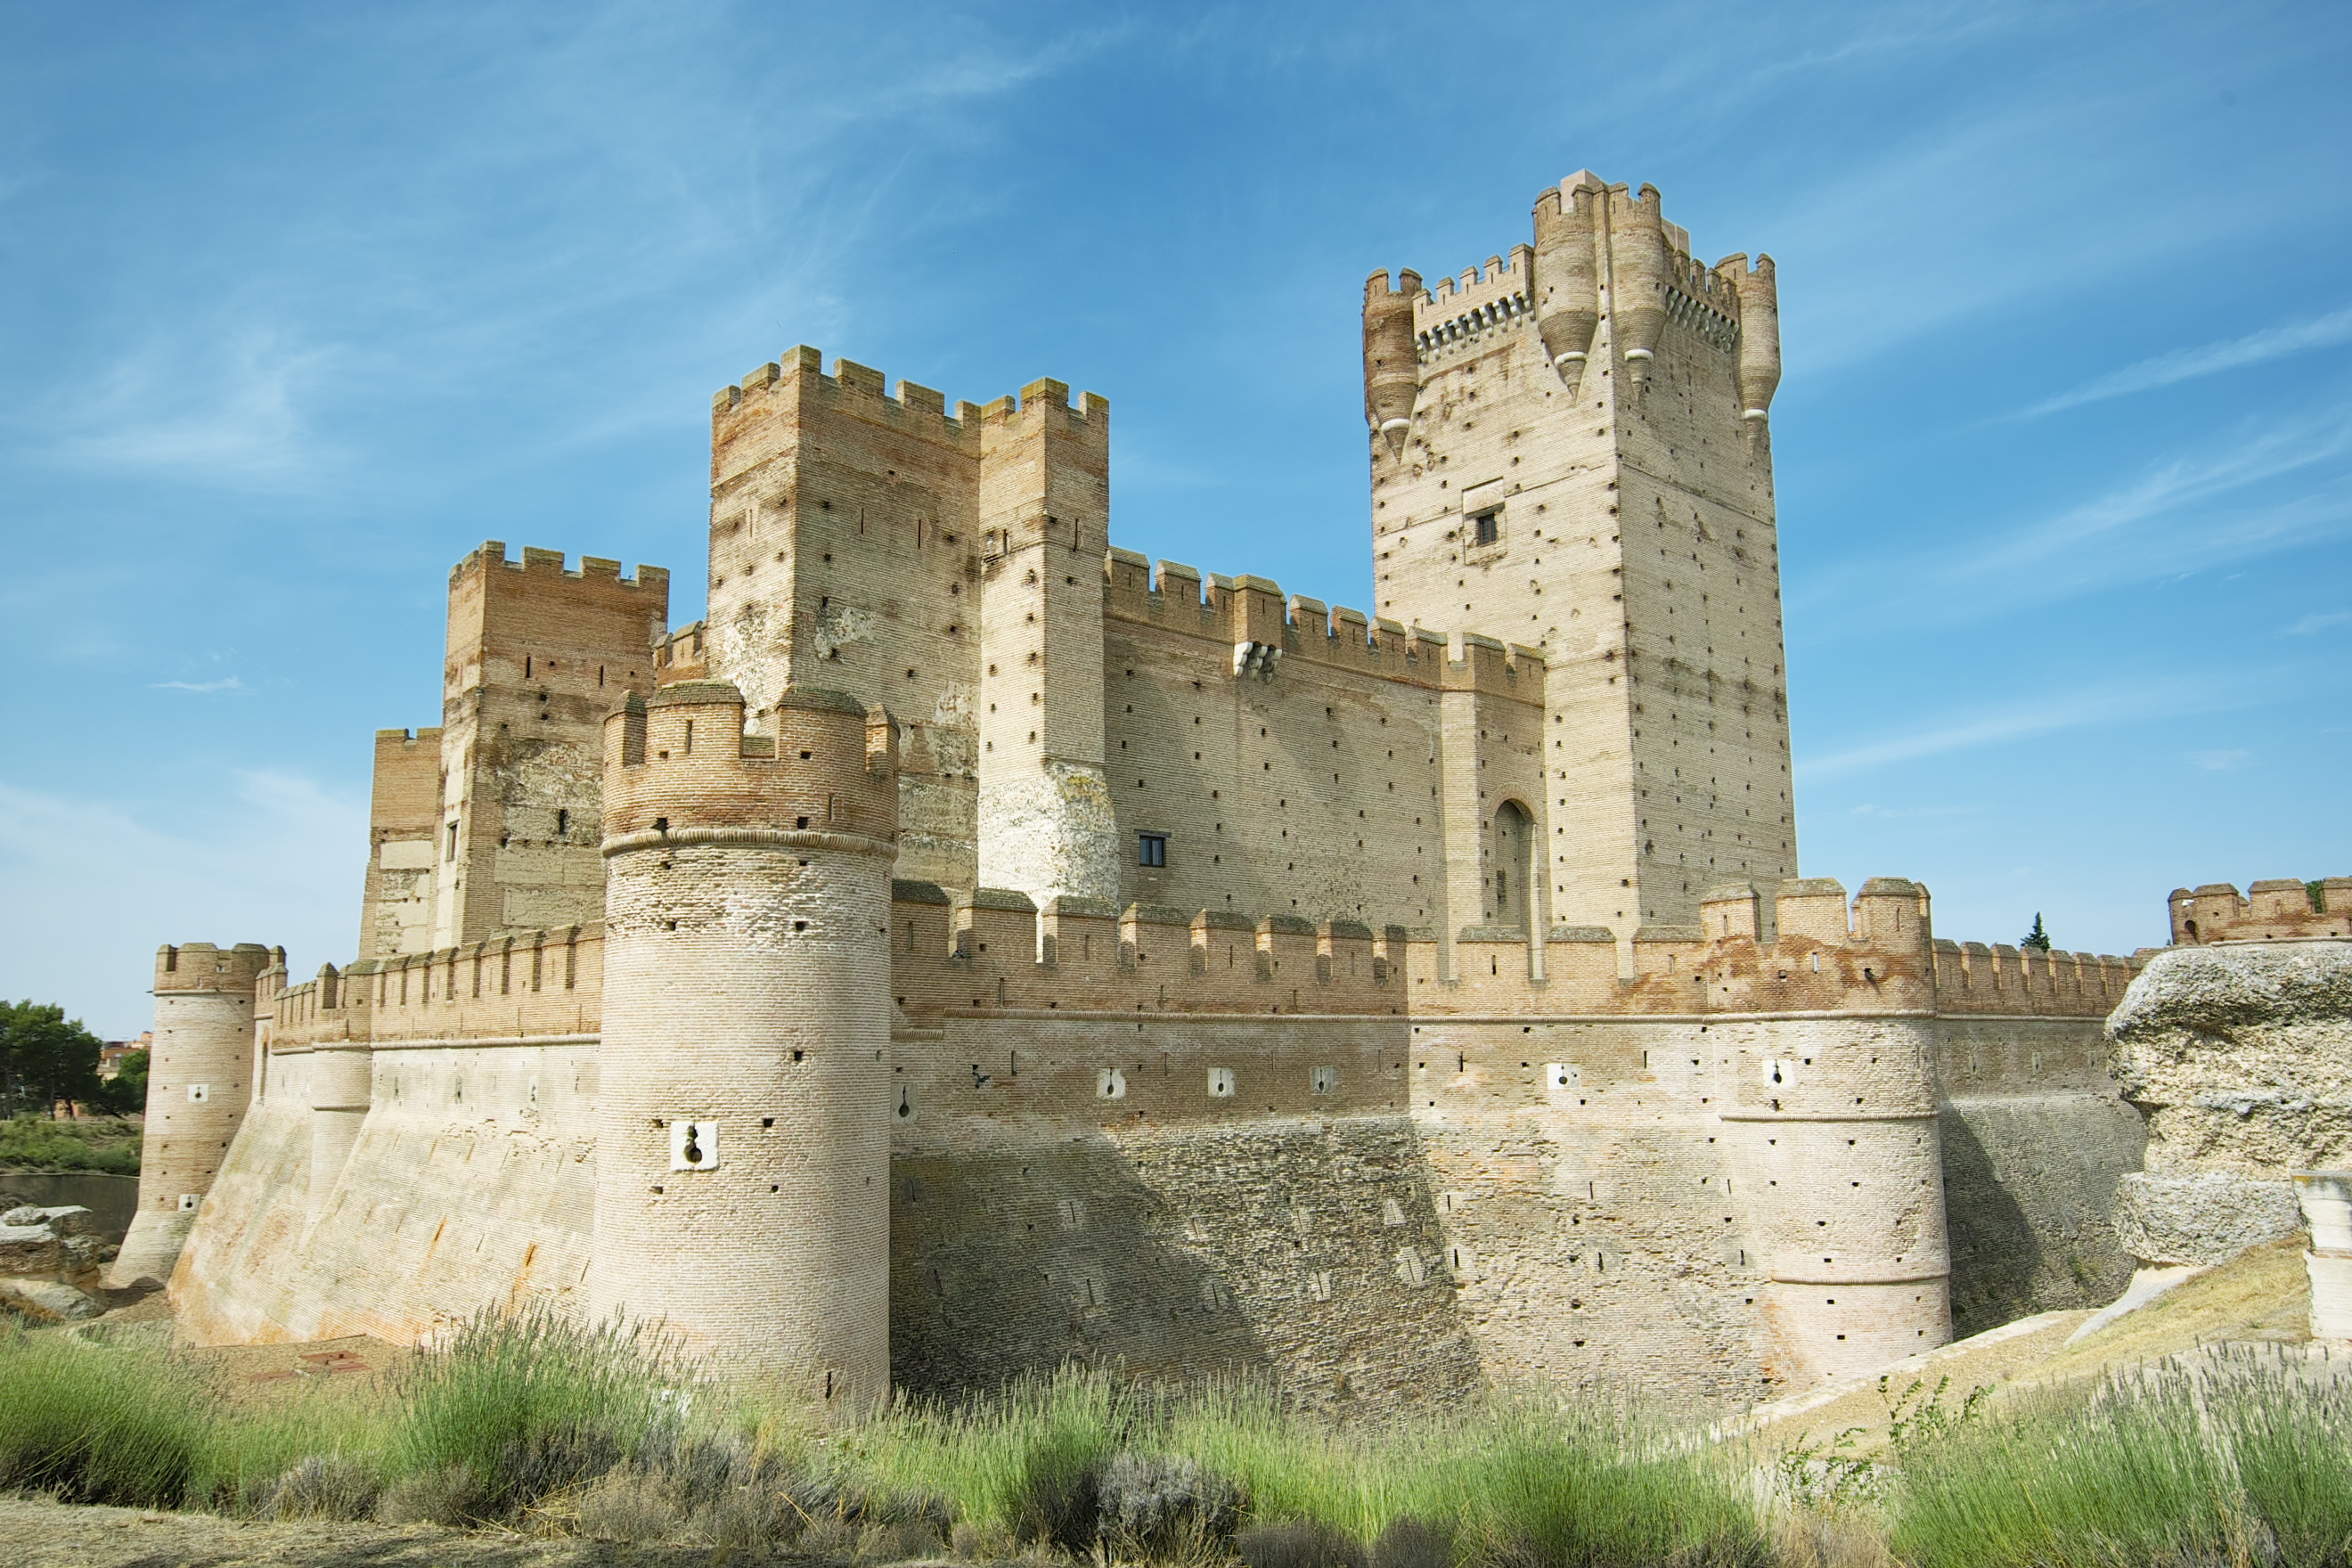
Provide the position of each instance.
(229, 413)
(2320, 622)
(2186, 514)
(269, 860)
(227, 683)
(2220, 762)
(2108, 703)
(2187, 364)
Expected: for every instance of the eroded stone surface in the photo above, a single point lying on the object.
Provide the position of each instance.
(2240, 1057)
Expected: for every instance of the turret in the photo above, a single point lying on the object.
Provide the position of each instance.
(743, 1112)
(1760, 334)
(1568, 277)
(1392, 369)
(1835, 1110)
(199, 1083)
(1638, 289)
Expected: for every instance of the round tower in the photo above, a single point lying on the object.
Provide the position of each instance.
(1837, 1109)
(1637, 295)
(199, 1083)
(743, 1099)
(1392, 367)
(1568, 279)
(1760, 336)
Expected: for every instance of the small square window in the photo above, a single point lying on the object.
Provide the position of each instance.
(1152, 849)
(1486, 527)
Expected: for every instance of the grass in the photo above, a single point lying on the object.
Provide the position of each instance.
(2242, 1456)
(108, 1145)
(536, 1422)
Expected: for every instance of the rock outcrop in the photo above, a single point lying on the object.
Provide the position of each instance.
(2239, 1056)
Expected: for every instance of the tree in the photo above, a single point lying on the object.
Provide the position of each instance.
(2037, 937)
(45, 1057)
(125, 1094)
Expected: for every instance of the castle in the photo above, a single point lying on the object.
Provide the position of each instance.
(974, 945)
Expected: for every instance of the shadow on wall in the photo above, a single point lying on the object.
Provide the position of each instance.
(1274, 1252)
(2030, 1199)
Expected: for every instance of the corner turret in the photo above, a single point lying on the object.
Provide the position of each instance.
(742, 1115)
(199, 1084)
(1760, 333)
(1637, 293)
(1568, 276)
(1391, 368)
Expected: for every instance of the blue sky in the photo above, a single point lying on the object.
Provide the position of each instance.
(302, 302)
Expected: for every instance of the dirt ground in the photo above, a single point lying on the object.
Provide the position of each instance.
(2261, 1297)
(42, 1534)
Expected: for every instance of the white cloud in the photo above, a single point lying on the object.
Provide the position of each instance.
(2113, 703)
(2219, 761)
(231, 412)
(2320, 622)
(2187, 364)
(227, 683)
(275, 860)
(2182, 516)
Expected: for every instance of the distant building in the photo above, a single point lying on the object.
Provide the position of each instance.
(110, 1055)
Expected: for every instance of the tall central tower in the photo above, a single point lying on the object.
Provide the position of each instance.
(1571, 450)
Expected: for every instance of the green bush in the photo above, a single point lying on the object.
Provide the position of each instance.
(513, 1409)
(98, 1425)
(2245, 1459)
(33, 1143)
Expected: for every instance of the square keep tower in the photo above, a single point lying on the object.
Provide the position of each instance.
(1571, 450)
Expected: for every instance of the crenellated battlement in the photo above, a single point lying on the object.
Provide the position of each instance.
(201, 966)
(2277, 909)
(538, 566)
(1466, 309)
(861, 388)
(1805, 950)
(1253, 612)
(1971, 977)
(677, 763)
(681, 656)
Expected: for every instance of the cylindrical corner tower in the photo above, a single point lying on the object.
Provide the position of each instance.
(1841, 1146)
(1568, 279)
(1637, 294)
(1759, 338)
(743, 1102)
(1392, 369)
(199, 1083)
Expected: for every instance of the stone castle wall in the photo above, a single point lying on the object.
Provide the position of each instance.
(1218, 1143)
(1102, 961)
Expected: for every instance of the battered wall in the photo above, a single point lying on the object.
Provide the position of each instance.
(2036, 1139)
(471, 1183)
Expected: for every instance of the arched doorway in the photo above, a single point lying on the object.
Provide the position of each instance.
(1510, 881)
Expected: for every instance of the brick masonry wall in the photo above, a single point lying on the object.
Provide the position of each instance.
(536, 656)
(403, 821)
